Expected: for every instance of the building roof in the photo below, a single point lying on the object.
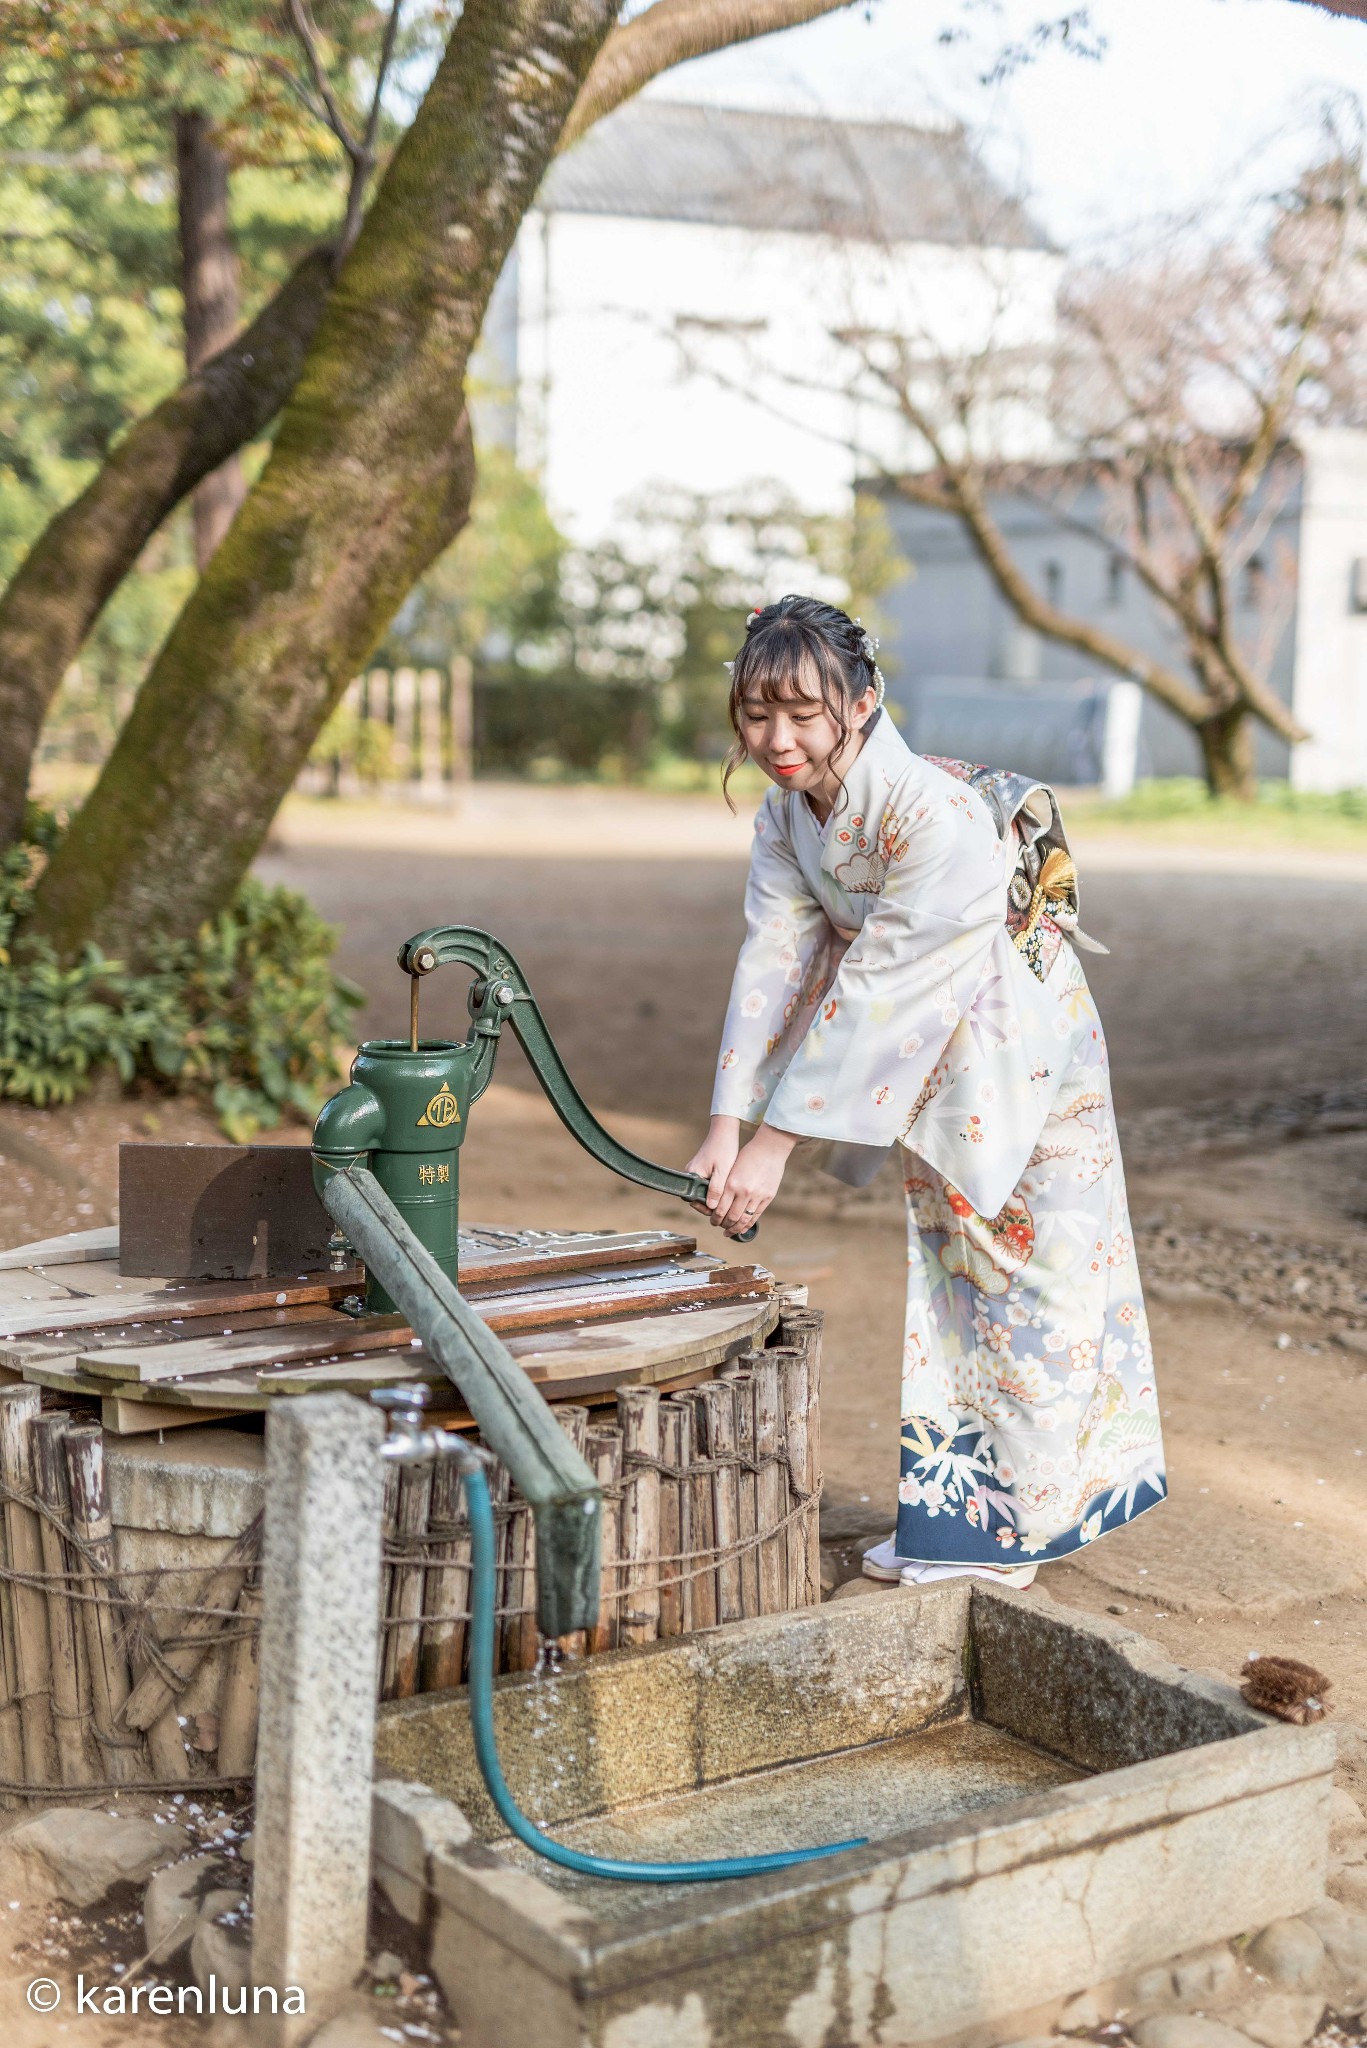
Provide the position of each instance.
(879, 181)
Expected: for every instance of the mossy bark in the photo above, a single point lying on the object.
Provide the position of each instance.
(368, 480)
(82, 556)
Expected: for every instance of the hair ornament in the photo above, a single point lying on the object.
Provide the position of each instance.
(868, 647)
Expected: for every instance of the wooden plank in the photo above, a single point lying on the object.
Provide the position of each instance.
(571, 1251)
(70, 1680)
(245, 1351)
(512, 1312)
(83, 1449)
(227, 1298)
(651, 1348)
(702, 1520)
(70, 1250)
(479, 1286)
(749, 1496)
(447, 1586)
(64, 1376)
(21, 1288)
(58, 1373)
(219, 1212)
(19, 1410)
(119, 1417)
(19, 1352)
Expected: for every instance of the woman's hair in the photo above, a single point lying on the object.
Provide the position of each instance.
(799, 647)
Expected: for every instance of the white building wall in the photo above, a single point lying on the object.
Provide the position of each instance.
(1330, 696)
(702, 356)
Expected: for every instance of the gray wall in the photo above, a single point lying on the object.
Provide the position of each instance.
(947, 625)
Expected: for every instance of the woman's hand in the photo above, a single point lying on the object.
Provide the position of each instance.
(714, 1159)
(753, 1180)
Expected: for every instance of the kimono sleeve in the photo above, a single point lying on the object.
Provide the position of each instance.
(860, 1073)
(785, 963)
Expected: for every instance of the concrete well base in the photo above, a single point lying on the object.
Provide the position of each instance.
(1049, 1803)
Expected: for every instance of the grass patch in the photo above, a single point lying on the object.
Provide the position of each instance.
(1181, 807)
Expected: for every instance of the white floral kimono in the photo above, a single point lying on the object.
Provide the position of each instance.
(900, 983)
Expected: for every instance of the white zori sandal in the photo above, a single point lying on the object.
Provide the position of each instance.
(882, 1562)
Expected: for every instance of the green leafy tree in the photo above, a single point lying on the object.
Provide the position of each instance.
(369, 345)
(161, 169)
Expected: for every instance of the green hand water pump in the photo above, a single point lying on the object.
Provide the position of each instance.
(407, 1110)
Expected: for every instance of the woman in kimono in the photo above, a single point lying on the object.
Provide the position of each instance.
(910, 978)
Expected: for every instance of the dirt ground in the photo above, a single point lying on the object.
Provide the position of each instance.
(1233, 999)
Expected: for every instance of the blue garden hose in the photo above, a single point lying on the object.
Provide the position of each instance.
(486, 1748)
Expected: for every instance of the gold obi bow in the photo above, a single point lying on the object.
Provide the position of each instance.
(1055, 890)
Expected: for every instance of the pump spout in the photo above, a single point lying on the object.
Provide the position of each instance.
(516, 1424)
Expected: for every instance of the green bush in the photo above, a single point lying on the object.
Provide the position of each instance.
(570, 724)
(249, 1014)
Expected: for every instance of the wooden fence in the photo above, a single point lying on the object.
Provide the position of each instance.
(427, 717)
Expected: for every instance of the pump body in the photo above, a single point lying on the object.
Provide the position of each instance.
(405, 1114)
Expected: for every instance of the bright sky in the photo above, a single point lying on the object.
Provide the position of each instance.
(1188, 93)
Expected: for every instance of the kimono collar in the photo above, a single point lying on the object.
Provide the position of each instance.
(879, 767)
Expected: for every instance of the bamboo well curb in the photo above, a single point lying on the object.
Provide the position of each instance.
(711, 1514)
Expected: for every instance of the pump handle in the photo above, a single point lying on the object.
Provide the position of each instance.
(500, 993)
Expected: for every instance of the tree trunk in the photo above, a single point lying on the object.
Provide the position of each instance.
(368, 480)
(79, 561)
(1227, 749)
(208, 275)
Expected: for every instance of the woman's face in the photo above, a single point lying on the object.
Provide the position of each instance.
(794, 740)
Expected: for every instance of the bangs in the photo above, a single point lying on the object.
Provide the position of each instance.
(783, 661)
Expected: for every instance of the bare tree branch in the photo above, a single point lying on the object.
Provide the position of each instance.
(365, 162)
(330, 112)
(669, 33)
(994, 552)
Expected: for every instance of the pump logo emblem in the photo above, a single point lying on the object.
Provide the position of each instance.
(442, 1111)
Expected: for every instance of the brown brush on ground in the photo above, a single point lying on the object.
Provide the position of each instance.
(1286, 1688)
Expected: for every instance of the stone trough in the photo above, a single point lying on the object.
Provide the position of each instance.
(1049, 1802)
